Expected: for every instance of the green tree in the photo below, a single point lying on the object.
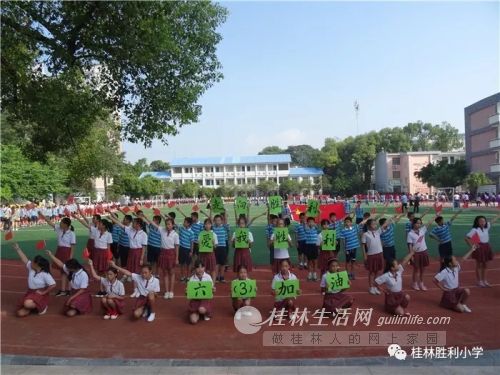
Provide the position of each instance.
(159, 166)
(267, 186)
(271, 150)
(289, 186)
(187, 189)
(150, 60)
(443, 174)
(476, 179)
(150, 186)
(303, 155)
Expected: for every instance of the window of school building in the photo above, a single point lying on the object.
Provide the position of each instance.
(241, 181)
(396, 174)
(177, 170)
(209, 182)
(283, 167)
(188, 170)
(396, 161)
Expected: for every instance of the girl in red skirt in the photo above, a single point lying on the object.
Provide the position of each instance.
(287, 304)
(280, 253)
(102, 249)
(40, 283)
(416, 242)
(391, 283)
(374, 253)
(200, 307)
(479, 234)
(242, 255)
(169, 254)
(66, 241)
(324, 255)
(238, 303)
(454, 297)
(208, 257)
(92, 226)
(80, 301)
(334, 298)
(138, 240)
(112, 302)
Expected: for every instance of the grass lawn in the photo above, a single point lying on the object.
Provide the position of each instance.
(28, 237)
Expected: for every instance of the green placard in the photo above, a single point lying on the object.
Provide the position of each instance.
(241, 238)
(206, 241)
(337, 280)
(241, 206)
(280, 238)
(286, 289)
(217, 205)
(312, 208)
(244, 288)
(329, 240)
(275, 205)
(200, 290)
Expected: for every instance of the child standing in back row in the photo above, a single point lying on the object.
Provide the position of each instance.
(312, 248)
(280, 252)
(351, 243)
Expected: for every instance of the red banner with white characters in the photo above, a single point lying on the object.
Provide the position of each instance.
(325, 210)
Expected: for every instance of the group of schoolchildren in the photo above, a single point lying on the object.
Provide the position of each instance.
(131, 242)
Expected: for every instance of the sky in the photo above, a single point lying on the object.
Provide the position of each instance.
(292, 71)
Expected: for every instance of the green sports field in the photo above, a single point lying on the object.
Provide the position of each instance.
(27, 237)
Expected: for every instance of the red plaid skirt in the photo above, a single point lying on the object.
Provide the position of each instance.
(100, 259)
(134, 260)
(62, 253)
(82, 303)
(421, 259)
(195, 304)
(90, 245)
(483, 253)
(334, 301)
(142, 301)
(209, 261)
(119, 305)
(242, 257)
(395, 299)
(166, 260)
(41, 302)
(452, 298)
(375, 262)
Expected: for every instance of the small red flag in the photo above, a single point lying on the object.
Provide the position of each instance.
(110, 255)
(373, 211)
(126, 209)
(86, 254)
(171, 204)
(399, 209)
(156, 212)
(148, 205)
(438, 207)
(195, 208)
(40, 245)
(475, 239)
(9, 235)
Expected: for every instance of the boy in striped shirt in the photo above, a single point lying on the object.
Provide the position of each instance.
(154, 244)
(312, 251)
(221, 250)
(441, 233)
(186, 238)
(337, 225)
(387, 237)
(300, 239)
(359, 212)
(351, 243)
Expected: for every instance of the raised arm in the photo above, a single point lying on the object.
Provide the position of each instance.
(82, 221)
(83, 216)
(180, 211)
(407, 258)
(92, 270)
(47, 220)
(468, 253)
(54, 259)
(115, 220)
(122, 270)
(494, 220)
(426, 212)
(255, 218)
(455, 216)
(20, 253)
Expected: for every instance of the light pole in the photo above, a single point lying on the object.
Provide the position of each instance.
(356, 112)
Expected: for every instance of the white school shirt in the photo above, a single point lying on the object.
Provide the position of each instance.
(449, 277)
(484, 233)
(417, 240)
(205, 277)
(38, 280)
(281, 253)
(146, 286)
(102, 240)
(64, 239)
(93, 232)
(393, 282)
(250, 237)
(169, 240)
(80, 279)
(115, 288)
(137, 238)
(372, 241)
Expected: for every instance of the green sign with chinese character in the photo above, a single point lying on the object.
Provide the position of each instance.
(337, 280)
(286, 289)
(280, 238)
(199, 290)
(275, 205)
(217, 205)
(243, 288)
(241, 206)
(241, 238)
(329, 238)
(206, 241)
(312, 208)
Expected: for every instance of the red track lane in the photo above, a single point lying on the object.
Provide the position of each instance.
(171, 336)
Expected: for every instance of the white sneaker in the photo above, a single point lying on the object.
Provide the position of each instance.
(487, 284)
(206, 317)
(415, 286)
(135, 294)
(481, 284)
(423, 287)
(106, 317)
(467, 309)
(145, 313)
(171, 294)
(372, 291)
(166, 295)
(237, 316)
(44, 311)
(309, 276)
(247, 313)
(151, 317)
(377, 291)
